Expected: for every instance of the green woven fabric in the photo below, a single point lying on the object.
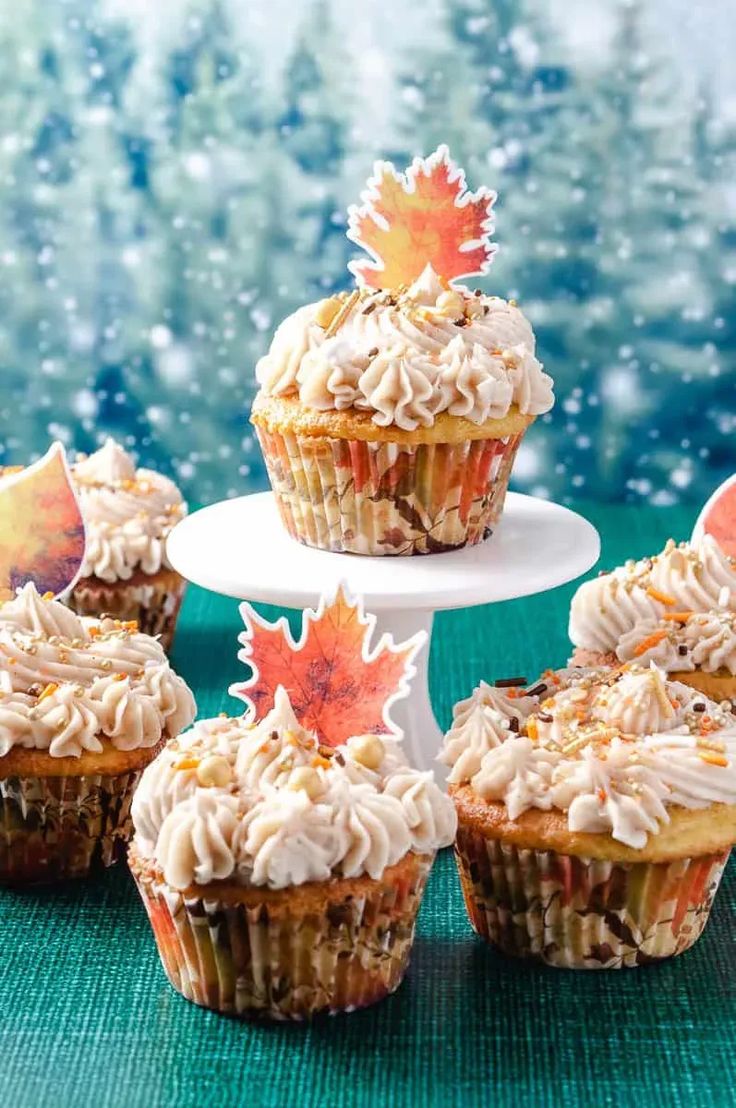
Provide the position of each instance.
(87, 1017)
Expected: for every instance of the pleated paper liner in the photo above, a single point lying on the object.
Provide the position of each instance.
(153, 600)
(388, 498)
(291, 954)
(582, 913)
(52, 828)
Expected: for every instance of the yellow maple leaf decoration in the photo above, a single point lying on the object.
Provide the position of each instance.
(425, 216)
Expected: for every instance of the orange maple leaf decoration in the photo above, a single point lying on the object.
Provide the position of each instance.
(425, 216)
(41, 527)
(337, 686)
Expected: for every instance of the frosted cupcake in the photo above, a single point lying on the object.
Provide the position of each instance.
(84, 705)
(677, 609)
(596, 813)
(389, 417)
(128, 514)
(282, 878)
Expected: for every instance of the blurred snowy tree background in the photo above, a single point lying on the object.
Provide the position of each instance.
(174, 179)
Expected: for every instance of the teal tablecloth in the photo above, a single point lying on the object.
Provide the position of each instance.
(88, 1019)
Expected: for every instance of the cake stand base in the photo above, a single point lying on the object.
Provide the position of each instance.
(239, 548)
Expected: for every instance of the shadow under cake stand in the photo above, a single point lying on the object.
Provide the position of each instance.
(240, 548)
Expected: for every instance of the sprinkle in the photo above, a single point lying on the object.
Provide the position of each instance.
(93, 632)
(318, 762)
(682, 650)
(514, 724)
(509, 682)
(678, 617)
(602, 795)
(698, 707)
(712, 758)
(343, 313)
(369, 308)
(648, 642)
(372, 352)
(537, 690)
(327, 311)
(130, 625)
(543, 717)
(48, 691)
(532, 729)
(662, 597)
(48, 595)
(187, 763)
(120, 676)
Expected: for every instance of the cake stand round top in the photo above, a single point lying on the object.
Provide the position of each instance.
(240, 548)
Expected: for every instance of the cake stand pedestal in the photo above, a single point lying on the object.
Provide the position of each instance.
(240, 548)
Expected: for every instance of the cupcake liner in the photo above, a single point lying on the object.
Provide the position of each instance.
(387, 497)
(155, 604)
(283, 961)
(583, 913)
(52, 828)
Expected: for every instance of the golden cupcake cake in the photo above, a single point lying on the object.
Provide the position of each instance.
(282, 859)
(389, 416)
(128, 514)
(85, 705)
(676, 609)
(596, 811)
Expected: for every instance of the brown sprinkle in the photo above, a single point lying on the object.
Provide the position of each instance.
(509, 682)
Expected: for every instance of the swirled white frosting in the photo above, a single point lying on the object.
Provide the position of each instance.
(613, 749)
(260, 804)
(127, 512)
(692, 577)
(703, 640)
(408, 357)
(67, 683)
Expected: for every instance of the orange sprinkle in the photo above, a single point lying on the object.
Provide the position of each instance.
(187, 763)
(130, 624)
(48, 595)
(662, 597)
(678, 617)
(531, 728)
(49, 690)
(649, 642)
(120, 676)
(602, 795)
(318, 762)
(712, 758)
(264, 747)
(94, 632)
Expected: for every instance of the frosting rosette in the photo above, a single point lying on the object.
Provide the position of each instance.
(85, 704)
(676, 609)
(128, 515)
(318, 857)
(611, 775)
(406, 357)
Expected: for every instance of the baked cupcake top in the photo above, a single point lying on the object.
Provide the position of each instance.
(613, 749)
(263, 804)
(128, 514)
(407, 355)
(618, 611)
(70, 684)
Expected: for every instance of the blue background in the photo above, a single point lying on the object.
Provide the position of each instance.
(174, 179)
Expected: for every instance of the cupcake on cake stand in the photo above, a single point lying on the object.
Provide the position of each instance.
(389, 418)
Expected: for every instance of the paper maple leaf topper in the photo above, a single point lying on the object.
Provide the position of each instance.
(338, 687)
(41, 527)
(423, 216)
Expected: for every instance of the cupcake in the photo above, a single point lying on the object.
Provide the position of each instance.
(676, 609)
(389, 417)
(85, 705)
(128, 514)
(596, 812)
(282, 878)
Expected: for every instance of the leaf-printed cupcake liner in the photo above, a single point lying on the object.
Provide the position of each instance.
(386, 497)
(581, 913)
(52, 828)
(155, 604)
(281, 960)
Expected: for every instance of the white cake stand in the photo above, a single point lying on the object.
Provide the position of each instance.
(240, 548)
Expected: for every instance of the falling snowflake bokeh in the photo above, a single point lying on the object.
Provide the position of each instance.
(174, 184)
